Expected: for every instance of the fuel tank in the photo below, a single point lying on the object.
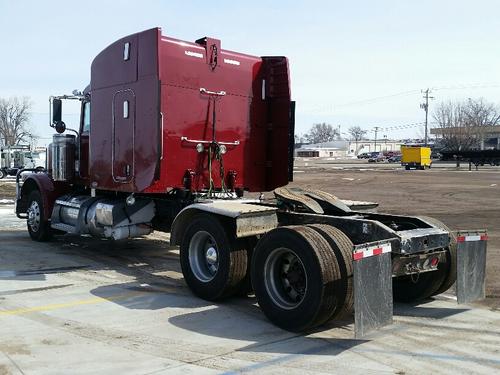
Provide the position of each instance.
(103, 217)
(61, 157)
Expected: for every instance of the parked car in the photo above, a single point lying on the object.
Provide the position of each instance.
(394, 159)
(436, 155)
(376, 157)
(364, 155)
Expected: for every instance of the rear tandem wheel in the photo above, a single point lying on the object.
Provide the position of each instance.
(342, 247)
(211, 264)
(296, 278)
(428, 284)
(450, 266)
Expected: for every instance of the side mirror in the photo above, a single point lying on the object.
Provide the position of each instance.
(57, 122)
(60, 127)
(56, 111)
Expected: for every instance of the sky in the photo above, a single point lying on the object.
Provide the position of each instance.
(352, 63)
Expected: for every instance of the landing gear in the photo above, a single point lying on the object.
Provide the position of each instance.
(212, 266)
(38, 224)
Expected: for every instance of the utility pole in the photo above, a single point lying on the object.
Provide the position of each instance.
(376, 130)
(425, 107)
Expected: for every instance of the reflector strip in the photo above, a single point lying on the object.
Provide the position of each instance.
(478, 237)
(371, 251)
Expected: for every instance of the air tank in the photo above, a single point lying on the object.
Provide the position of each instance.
(61, 160)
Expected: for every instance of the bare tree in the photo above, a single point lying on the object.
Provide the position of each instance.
(480, 113)
(299, 138)
(14, 118)
(320, 133)
(462, 124)
(356, 134)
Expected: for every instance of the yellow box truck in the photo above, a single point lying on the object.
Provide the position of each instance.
(417, 157)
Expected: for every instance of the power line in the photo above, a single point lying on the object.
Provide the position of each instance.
(332, 107)
(468, 86)
(377, 98)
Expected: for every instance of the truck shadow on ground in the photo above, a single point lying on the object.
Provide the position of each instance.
(150, 263)
(267, 338)
(418, 311)
(16, 263)
(235, 319)
(35, 274)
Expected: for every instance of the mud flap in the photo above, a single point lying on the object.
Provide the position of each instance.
(372, 268)
(471, 265)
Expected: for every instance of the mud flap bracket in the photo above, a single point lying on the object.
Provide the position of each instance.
(372, 268)
(471, 265)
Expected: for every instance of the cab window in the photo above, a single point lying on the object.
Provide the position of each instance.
(86, 117)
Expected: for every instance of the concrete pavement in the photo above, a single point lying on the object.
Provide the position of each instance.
(81, 305)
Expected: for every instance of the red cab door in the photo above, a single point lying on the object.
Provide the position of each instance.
(123, 162)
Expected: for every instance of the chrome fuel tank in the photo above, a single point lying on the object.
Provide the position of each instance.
(61, 160)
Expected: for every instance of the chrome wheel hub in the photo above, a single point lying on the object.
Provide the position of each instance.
(34, 216)
(203, 256)
(285, 278)
(211, 255)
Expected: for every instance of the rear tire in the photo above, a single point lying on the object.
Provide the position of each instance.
(211, 264)
(430, 283)
(450, 267)
(2, 174)
(245, 288)
(342, 247)
(38, 225)
(296, 278)
(422, 286)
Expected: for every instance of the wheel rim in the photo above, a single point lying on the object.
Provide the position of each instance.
(203, 256)
(285, 278)
(34, 216)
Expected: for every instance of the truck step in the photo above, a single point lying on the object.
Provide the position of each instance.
(64, 227)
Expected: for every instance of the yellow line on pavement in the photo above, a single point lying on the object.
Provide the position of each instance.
(56, 306)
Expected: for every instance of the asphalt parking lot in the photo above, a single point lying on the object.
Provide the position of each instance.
(80, 305)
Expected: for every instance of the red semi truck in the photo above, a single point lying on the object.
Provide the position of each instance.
(172, 134)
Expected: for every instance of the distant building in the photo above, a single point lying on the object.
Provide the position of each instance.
(489, 136)
(343, 148)
(334, 149)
